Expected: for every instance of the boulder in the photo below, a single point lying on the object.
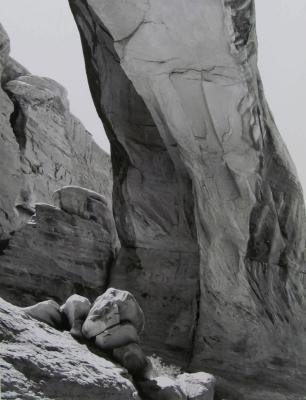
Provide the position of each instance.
(153, 204)
(38, 362)
(88, 205)
(47, 311)
(115, 312)
(76, 309)
(10, 176)
(207, 202)
(117, 336)
(197, 386)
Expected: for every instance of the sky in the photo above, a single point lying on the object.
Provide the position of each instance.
(45, 40)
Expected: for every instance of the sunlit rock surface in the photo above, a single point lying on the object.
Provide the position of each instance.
(153, 204)
(37, 362)
(61, 250)
(42, 145)
(198, 386)
(194, 144)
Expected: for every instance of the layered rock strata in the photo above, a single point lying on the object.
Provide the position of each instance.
(10, 179)
(153, 207)
(42, 145)
(194, 144)
(61, 250)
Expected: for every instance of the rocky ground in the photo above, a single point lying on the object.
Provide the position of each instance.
(37, 362)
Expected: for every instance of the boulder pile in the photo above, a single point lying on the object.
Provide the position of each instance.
(113, 324)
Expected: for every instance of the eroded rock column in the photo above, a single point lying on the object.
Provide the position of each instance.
(212, 158)
(153, 204)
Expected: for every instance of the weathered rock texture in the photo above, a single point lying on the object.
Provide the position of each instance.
(61, 250)
(42, 145)
(38, 362)
(152, 199)
(9, 160)
(194, 144)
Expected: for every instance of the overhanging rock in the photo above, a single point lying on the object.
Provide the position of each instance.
(194, 144)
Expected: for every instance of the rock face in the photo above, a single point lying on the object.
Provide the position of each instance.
(43, 147)
(60, 251)
(153, 204)
(194, 144)
(9, 161)
(38, 362)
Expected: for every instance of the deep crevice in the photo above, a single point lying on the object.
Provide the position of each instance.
(4, 244)
(18, 123)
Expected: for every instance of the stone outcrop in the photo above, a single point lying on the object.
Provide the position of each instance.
(194, 144)
(113, 309)
(106, 325)
(43, 147)
(36, 362)
(61, 251)
(152, 201)
(110, 310)
(10, 179)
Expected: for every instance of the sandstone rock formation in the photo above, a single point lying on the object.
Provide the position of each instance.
(114, 320)
(152, 200)
(60, 251)
(76, 309)
(87, 205)
(43, 147)
(37, 362)
(194, 144)
(10, 179)
(47, 311)
(112, 309)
